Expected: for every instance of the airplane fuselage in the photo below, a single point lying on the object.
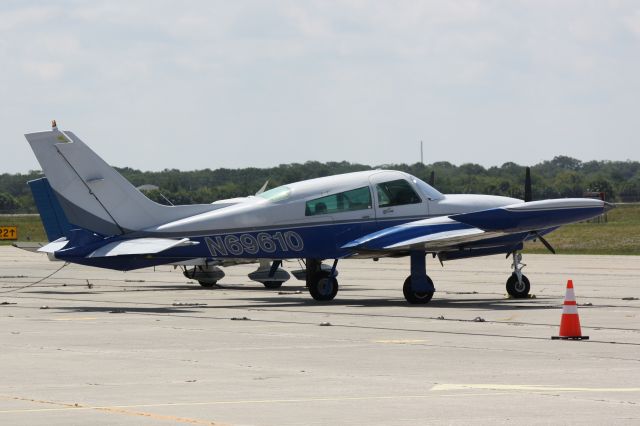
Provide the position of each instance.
(247, 229)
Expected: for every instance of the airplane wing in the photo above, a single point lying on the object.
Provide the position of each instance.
(463, 230)
(444, 239)
(216, 261)
(434, 234)
(533, 215)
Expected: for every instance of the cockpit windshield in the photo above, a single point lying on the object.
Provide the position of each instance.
(426, 189)
(276, 194)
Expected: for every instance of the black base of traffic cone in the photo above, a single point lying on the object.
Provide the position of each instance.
(569, 338)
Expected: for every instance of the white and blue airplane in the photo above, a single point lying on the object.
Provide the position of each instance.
(95, 217)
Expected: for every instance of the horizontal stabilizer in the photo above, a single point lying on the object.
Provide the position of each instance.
(54, 246)
(139, 246)
(33, 247)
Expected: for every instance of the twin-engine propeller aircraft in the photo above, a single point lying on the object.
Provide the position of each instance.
(103, 221)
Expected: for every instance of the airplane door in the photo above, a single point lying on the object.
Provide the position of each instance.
(396, 198)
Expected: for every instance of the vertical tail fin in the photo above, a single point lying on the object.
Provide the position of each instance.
(92, 194)
(53, 218)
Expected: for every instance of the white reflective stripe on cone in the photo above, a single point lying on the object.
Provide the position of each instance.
(570, 296)
(570, 309)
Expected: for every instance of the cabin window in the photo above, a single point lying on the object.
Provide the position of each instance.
(356, 199)
(396, 193)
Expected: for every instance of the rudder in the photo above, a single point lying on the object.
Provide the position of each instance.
(53, 218)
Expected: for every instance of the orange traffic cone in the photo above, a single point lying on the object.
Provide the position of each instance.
(570, 321)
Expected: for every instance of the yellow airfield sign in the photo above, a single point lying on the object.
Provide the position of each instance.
(8, 232)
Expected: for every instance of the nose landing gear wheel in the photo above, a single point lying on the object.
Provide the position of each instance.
(416, 297)
(324, 289)
(207, 284)
(517, 289)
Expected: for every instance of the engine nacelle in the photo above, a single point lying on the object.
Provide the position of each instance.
(205, 274)
(261, 275)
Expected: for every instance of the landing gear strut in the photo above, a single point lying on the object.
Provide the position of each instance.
(518, 285)
(418, 288)
(271, 275)
(322, 284)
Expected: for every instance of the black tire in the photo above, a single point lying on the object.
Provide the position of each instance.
(319, 275)
(272, 284)
(517, 290)
(416, 297)
(324, 289)
(207, 284)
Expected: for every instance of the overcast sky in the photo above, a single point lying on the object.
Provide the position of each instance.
(197, 84)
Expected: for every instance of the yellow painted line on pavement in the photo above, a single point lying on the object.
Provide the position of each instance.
(69, 407)
(509, 318)
(63, 406)
(494, 390)
(528, 388)
(116, 410)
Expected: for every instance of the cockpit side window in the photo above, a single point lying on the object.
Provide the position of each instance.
(396, 193)
(429, 191)
(356, 199)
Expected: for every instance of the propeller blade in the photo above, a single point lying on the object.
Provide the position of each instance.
(545, 242)
(527, 185)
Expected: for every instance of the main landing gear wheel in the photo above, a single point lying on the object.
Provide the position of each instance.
(517, 289)
(416, 297)
(325, 288)
(207, 284)
(272, 284)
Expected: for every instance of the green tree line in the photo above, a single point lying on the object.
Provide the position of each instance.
(561, 177)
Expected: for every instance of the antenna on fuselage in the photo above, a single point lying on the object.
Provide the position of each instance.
(148, 187)
(263, 188)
